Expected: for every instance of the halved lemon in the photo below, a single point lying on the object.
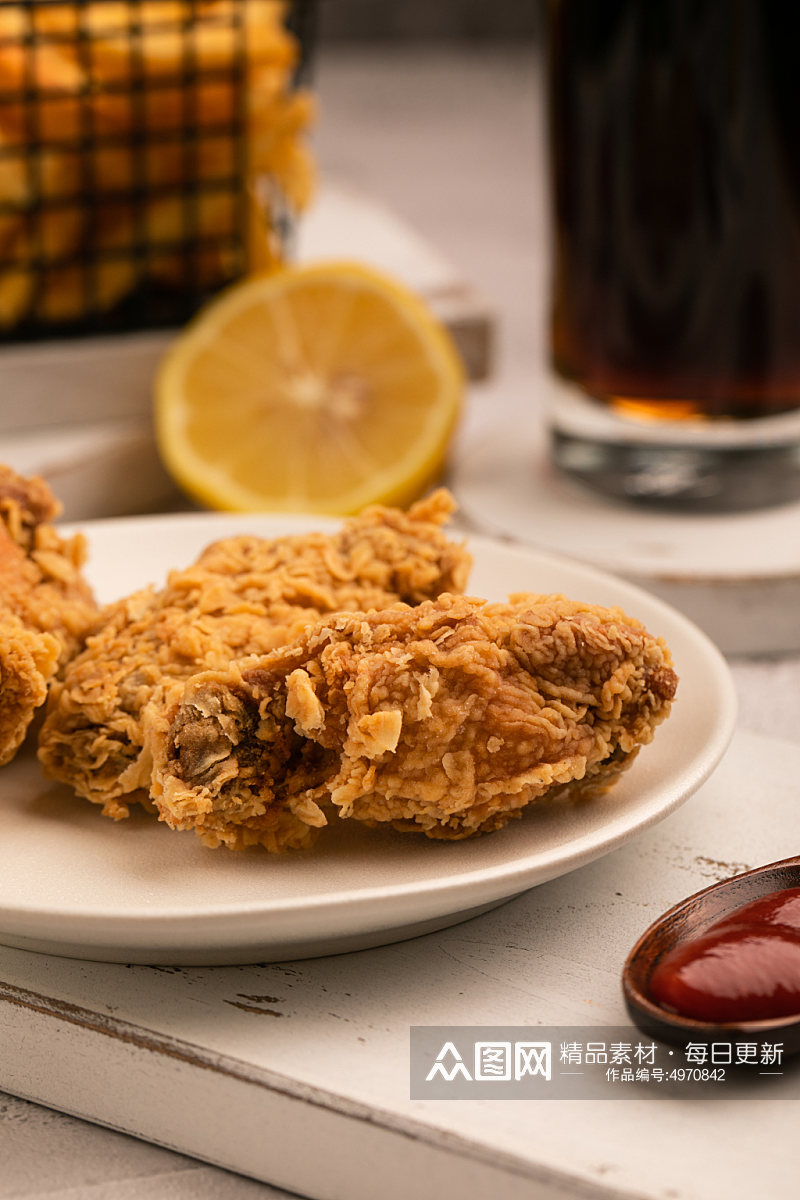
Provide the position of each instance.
(320, 388)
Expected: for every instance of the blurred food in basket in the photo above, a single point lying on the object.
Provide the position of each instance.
(146, 147)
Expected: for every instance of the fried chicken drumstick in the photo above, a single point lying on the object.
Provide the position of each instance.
(243, 596)
(46, 605)
(447, 718)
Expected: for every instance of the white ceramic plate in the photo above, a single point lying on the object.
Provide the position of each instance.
(74, 883)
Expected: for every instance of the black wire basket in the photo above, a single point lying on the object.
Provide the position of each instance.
(151, 152)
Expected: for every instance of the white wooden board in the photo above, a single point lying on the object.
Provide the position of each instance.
(96, 379)
(736, 575)
(297, 1073)
(79, 412)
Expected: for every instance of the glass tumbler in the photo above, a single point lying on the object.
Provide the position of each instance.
(674, 163)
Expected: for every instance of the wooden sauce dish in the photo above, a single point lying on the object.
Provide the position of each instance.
(692, 918)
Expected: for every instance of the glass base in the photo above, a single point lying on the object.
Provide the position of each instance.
(691, 466)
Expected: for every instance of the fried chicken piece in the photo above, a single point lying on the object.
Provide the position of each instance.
(244, 595)
(28, 660)
(448, 719)
(46, 605)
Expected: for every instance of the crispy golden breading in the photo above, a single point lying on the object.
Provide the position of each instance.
(46, 605)
(28, 660)
(448, 718)
(243, 596)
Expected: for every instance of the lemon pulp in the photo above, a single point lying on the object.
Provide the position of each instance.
(318, 389)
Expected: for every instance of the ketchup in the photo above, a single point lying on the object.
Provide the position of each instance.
(745, 967)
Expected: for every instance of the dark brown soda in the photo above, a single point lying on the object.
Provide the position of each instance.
(675, 166)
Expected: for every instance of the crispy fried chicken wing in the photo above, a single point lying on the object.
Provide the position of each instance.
(448, 718)
(243, 596)
(46, 605)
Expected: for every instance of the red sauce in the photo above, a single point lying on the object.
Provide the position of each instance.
(745, 967)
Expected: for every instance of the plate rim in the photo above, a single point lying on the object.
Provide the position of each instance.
(515, 874)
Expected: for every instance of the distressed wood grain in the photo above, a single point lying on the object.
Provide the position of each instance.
(205, 1061)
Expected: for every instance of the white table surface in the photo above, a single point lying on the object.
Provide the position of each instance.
(449, 139)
